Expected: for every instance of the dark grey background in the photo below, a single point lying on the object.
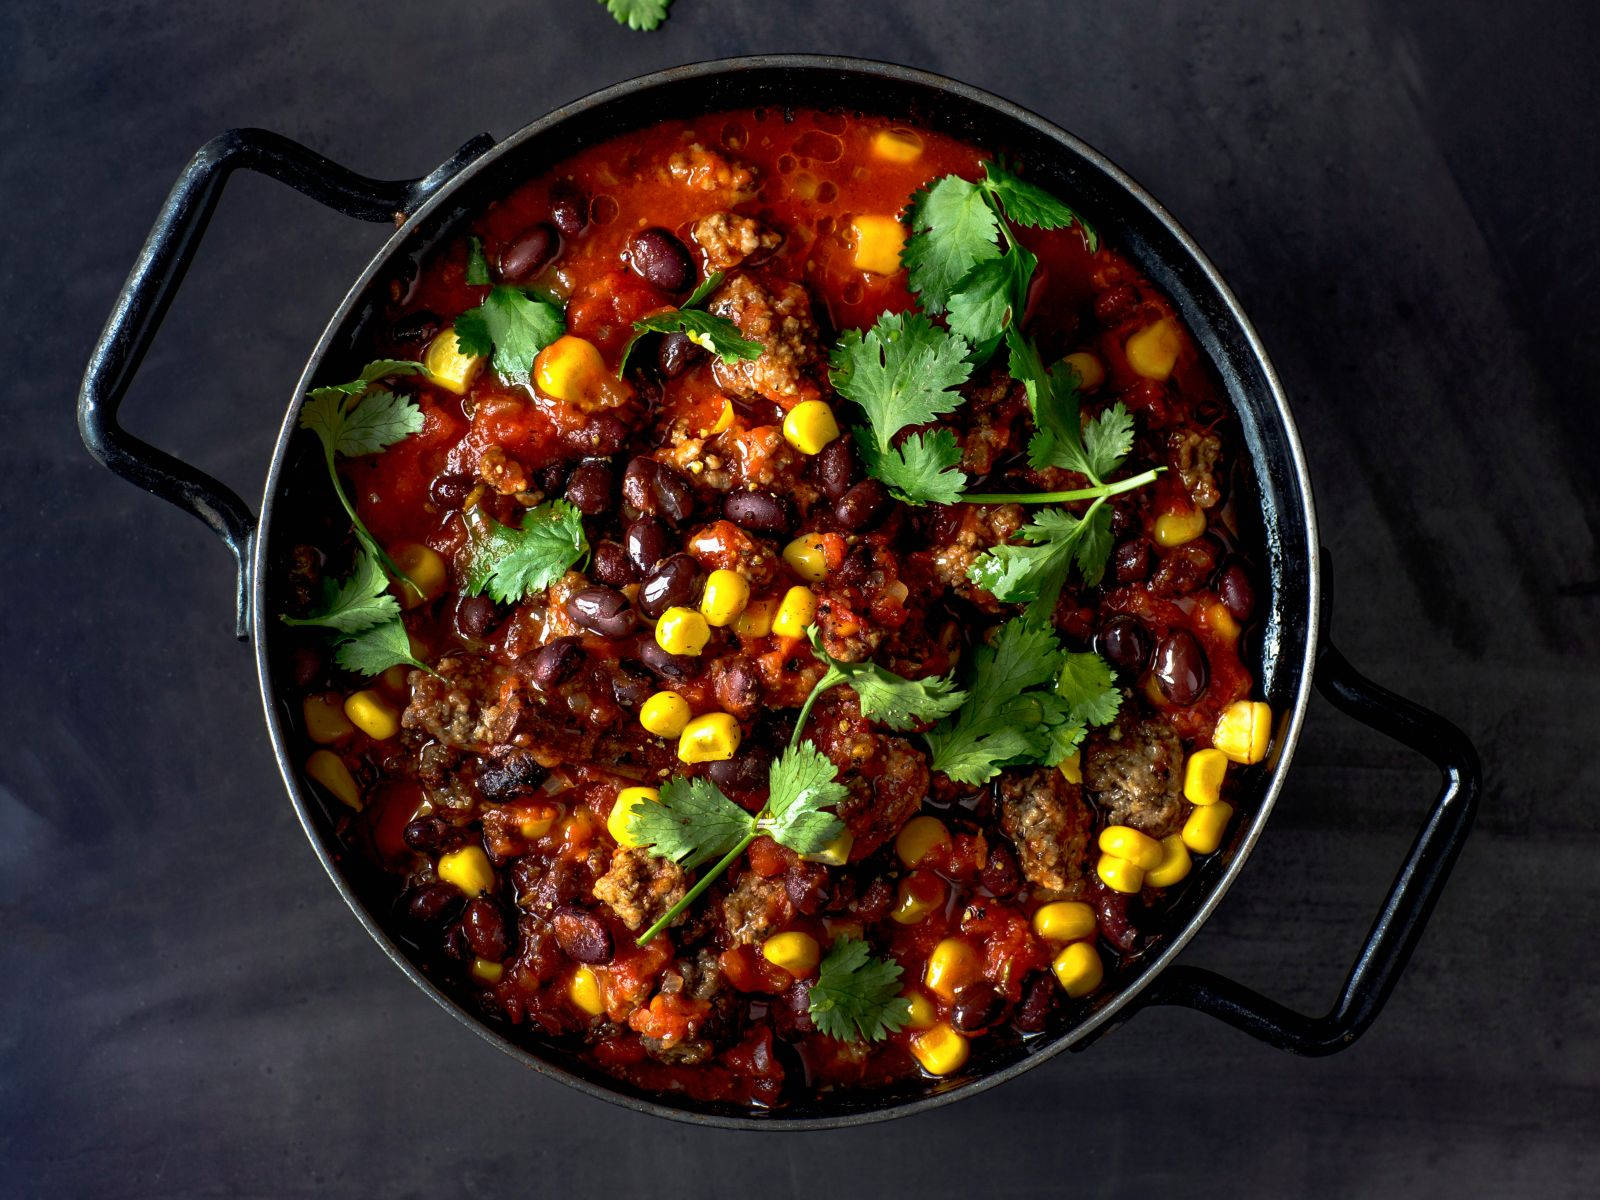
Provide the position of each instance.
(1402, 194)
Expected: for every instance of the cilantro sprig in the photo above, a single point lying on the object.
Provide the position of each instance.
(513, 563)
(694, 822)
(856, 996)
(510, 326)
(1029, 703)
(641, 15)
(891, 700)
(710, 332)
(361, 610)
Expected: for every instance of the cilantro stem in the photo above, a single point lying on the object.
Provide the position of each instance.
(703, 883)
(830, 678)
(361, 529)
(1098, 492)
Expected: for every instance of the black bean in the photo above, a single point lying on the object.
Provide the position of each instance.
(611, 567)
(529, 253)
(676, 667)
(484, 926)
(605, 433)
(602, 610)
(747, 771)
(420, 326)
(476, 616)
(581, 935)
(1001, 874)
(1130, 561)
(1125, 644)
(762, 512)
(859, 563)
(552, 477)
(675, 353)
(1238, 596)
(1181, 668)
(674, 497)
(861, 505)
(631, 686)
(434, 902)
(661, 259)
(569, 208)
(426, 833)
(675, 580)
(508, 778)
(557, 662)
(835, 467)
(592, 486)
(648, 542)
(738, 687)
(1038, 998)
(977, 1006)
(451, 491)
(655, 488)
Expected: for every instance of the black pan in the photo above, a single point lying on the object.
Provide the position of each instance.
(1295, 652)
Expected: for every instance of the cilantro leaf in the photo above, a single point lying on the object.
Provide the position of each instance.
(1107, 440)
(361, 601)
(703, 289)
(953, 229)
(802, 781)
(856, 996)
(692, 824)
(716, 334)
(1029, 204)
(378, 368)
(514, 326)
(513, 563)
(1008, 718)
(1089, 687)
(375, 649)
(891, 700)
(988, 298)
(641, 15)
(477, 265)
(377, 420)
(917, 471)
(1036, 571)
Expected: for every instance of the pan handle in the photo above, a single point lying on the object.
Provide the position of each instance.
(155, 277)
(1405, 910)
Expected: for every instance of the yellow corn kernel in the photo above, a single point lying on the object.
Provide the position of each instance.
(1203, 831)
(756, 619)
(1176, 528)
(952, 964)
(1220, 619)
(447, 366)
(423, 567)
(487, 971)
(796, 610)
(1078, 969)
(584, 992)
(724, 420)
(572, 370)
(911, 905)
(1072, 767)
(923, 1013)
(468, 869)
(1203, 775)
(1244, 730)
(836, 853)
(710, 737)
(1119, 874)
(628, 799)
(1175, 863)
(324, 718)
(917, 837)
(1091, 371)
(806, 558)
(665, 714)
(1064, 921)
(796, 952)
(838, 927)
(538, 824)
(1153, 351)
(940, 1050)
(328, 769)
(1124, 841)
(682, 631)
(879, 241)
(897, 145)
(727, 593)
(372, 714)
(810, 426)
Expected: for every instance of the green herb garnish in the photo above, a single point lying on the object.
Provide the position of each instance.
(638, 14)
(512, 324)
(513, 563)
(376, 649)
(362, 609)
(716, 334)
(891, 700)
(856, 996)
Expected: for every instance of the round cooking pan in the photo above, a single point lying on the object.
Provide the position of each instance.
(1295, 654)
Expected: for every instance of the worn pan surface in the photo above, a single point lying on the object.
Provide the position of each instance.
(1294, 651)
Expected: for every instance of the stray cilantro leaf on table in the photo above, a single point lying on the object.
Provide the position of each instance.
(512, 325)
(642, 15)
(856, 996)
(511, 564)
(374, 650)
(361, 601)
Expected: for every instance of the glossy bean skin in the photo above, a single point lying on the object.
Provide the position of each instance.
(451, 491)
(862, 505)
(611, 566)
(434, 902)
(677, 668)
(674, 581)
(1038, 1000)
(631, 686)
(591, 488)
(1181, 668)
(1237, 593)
(737, 688)
(484, 927)
(420, 326)
(1130, 561)
(569, 209)
(653, 488)
(581, 935)
(1125, 644)
(1001, 875)
(759, 512)
(745, 773)
(675, 354)
(977, 1006)
(661, 260)
(557, 662)
(602, 610)
(835, 468)
(427, 834)
(476, 616)
(511, 778)
(529, 253)
(647, 542)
